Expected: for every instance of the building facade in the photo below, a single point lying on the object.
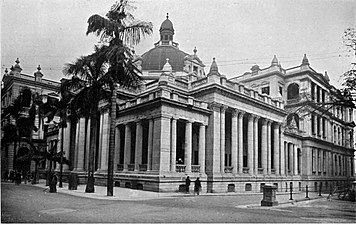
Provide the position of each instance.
(13, 83)
(270, 125)
(267, 126)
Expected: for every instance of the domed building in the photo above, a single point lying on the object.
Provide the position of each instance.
(267, 126)
(167, 51)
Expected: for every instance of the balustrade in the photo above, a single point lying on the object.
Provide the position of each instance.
(195, 168)
(120, 167)
(131, 167)
(180, 168)
(228, 169)
(143, 167)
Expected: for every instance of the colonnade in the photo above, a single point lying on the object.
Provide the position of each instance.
(331, 164)
(249, 133)
(157, 150)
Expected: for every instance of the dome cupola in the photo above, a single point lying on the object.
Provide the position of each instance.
(166, 30)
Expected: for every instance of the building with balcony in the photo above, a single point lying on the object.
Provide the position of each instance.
(267, 126)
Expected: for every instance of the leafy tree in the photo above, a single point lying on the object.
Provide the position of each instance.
(350, 75)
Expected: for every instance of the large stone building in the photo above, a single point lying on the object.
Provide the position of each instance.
(12, 84)
(268, 125)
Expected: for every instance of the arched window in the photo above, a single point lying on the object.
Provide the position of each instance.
(293, 91)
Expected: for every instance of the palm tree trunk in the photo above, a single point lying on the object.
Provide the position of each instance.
(110, 184)
(90, 182)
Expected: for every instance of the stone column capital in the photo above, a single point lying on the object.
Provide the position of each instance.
(223, 108)
(215, 106)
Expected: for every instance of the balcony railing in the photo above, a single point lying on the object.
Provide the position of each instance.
(228, 169)
(245, 170)
(143, 167)
(195, 168)
(180, 168)
(120, 167)
(131, 167)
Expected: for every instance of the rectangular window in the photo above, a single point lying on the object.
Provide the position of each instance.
(324, 130)
(319, 161)
(281, 90)
(312, 91)
(265, 90)
(324, 161)
(318, 94)
(248, 187)
(323, 96)
(313, 160)
(318, 125)
(312, 123)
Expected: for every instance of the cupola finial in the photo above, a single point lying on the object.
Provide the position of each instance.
(274, 61)
(39, 68)
(17, 61)
(195, 50)
(167, 16)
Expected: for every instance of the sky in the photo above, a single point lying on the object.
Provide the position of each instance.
(238, 33)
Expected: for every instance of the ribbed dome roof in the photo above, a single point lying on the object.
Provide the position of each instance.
(155, 58)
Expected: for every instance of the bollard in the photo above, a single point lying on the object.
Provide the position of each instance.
(291, 192)
(306, 192)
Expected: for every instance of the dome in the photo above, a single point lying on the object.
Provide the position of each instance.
(167, 25)
(157, 57)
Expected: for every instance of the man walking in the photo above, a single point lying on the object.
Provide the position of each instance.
(187, 183)
(197, 186)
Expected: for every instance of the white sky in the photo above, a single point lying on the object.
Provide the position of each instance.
(238, 33)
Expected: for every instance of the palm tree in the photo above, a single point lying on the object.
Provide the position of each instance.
(89, 85)
(118, 30)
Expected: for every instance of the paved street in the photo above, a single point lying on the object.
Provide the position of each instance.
(31, 204)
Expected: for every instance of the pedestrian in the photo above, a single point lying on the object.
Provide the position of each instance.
(53, 184)
(187, 183)
(197, 186)
(18, 178)
(12, 176)
(6, 175)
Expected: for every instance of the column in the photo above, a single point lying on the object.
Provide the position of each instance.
(117, 147)
(250, 144)
(295, 160)
(105, 142)
(87, 147)
(202, 148)
(269, 147)
(188, 147)
(240, 151)
(173, 144)
(66, 144)
(255, 153)
(150, 145)
(282, 156)
(161, 144)
(127, 148)
(138, 146)
(276, 148)
(234, 144)
(80, 145)
(290, 157)
(222, 138)
(213, 140)
(264, 147)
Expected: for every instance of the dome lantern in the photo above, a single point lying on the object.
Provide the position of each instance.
(166, 31)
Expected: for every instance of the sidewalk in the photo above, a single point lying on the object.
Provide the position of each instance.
(138, 195)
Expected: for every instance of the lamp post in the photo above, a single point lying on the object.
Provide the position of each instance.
(61, 167)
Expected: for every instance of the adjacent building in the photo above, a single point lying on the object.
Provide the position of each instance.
(13, 83)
